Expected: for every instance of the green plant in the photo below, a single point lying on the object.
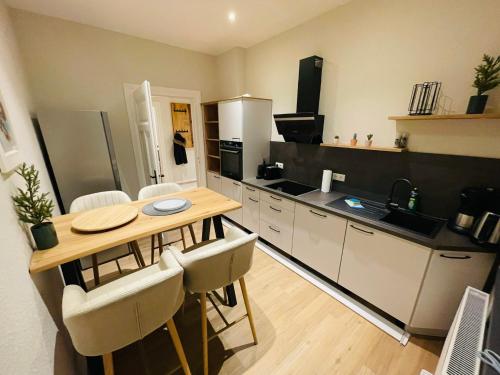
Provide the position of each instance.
(336, 137)
(487, 74)
(369, 137)
(32, 207)
(355, 136)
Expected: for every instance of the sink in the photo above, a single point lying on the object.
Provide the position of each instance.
(424, 225)
(421, 224)
(290, 187)
(371, 210)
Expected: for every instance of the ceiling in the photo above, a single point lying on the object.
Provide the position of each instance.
(200, 25)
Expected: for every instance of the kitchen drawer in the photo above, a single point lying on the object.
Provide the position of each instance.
(233, 189)
(318, 238)
(251, 209)
(385, 270)
(277, 200)
(249, 191)
(214, 181)
(280, 236)
(276, 214)
(235, 215)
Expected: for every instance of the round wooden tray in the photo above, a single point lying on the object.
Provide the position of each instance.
(104, 218)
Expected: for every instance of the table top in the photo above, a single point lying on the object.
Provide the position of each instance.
(74, 245)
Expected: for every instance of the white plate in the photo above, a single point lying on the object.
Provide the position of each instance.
(169, 204)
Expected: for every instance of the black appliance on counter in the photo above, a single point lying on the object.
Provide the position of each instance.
(261, 169)
(306, 125)
(473, 201)
(272, 172)
(231, 159)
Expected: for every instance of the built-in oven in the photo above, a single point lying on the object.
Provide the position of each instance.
(231, 163)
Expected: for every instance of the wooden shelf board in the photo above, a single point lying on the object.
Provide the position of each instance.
(482, 116)
(212, 122)
(371, 148)
(214, 170)
(213, 139)
(213, 156)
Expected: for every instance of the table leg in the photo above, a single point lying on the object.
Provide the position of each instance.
(219, 233)
(205, 234)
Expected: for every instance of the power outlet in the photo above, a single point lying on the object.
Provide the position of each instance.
(279, 165)
(338, 177)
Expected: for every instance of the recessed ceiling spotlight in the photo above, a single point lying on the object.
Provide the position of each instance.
(231, 16)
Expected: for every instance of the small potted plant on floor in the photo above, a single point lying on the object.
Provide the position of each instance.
(336, 140)
(487, 78)
(35, 208)
(354, 140)
(368, 142)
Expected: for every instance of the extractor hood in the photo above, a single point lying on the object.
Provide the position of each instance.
(305, 126)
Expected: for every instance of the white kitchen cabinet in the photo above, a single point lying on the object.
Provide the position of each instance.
(276, 221)
(233, 189)
(251, 215)
(231, 120)
(318, 238)
(448, 275)
(385, 270)
(214, 181)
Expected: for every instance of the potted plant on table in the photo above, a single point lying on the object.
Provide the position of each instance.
(35, 208)
(369, 139)
(487, 78)
(336, 140)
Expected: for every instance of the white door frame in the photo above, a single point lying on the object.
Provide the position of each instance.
(194, 98)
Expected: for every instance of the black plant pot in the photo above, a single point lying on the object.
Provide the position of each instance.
(45, 235)
(477, 103)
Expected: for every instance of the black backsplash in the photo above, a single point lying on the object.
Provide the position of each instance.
(440, 178)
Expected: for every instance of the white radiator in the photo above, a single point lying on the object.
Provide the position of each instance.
(465, 338)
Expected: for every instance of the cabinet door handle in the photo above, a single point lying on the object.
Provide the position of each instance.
(455, 257)
(235, 138)
(249, 188)
(317, 213)
(253, 200)
(278, 199)
(362, 230)
(275, 230)
(275, 209)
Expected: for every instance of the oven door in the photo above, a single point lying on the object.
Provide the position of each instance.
(231, 162)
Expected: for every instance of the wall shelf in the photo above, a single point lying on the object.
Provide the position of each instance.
(213, 139)
(371, 148)
(482, 116)
(211, 122)
(213, 156)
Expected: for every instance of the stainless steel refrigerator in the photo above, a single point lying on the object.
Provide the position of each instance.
(78, 150)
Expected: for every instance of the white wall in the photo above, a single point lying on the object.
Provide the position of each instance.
(231, 73)
(374, 51)
(33, 339)
(73, 66)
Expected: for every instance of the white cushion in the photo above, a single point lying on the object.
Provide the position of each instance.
(125, 310)
(217, 264)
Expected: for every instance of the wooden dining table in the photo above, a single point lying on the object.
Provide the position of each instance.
(207, 205)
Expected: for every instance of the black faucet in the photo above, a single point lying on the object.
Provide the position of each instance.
(393, 205)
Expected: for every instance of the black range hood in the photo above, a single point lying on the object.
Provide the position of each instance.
(305, 126)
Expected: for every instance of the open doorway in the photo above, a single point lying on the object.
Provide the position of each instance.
(173, 118)
(156, 114)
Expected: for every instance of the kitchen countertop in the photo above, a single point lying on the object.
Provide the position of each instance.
(445, 239)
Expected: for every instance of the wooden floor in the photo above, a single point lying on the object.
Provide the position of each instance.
(301, 330)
